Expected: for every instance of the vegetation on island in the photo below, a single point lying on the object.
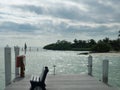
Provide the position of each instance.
(104, 45)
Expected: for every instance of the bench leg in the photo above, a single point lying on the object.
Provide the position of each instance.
(33, 85)
(42, 85)
(43, 88)
(36, 84)
(32, 88)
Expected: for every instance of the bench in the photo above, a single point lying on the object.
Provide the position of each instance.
(39, 81)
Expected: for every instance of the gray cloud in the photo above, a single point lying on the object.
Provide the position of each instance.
(17, 27)
(62, 19)
(97, 12)
(31, 8)
(59, 10)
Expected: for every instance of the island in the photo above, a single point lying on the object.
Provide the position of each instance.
(104, 45)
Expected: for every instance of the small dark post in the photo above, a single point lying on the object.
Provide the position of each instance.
(25, 48)
(105, 71)
(90, 65)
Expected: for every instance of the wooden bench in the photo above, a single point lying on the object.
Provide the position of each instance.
(39, 81)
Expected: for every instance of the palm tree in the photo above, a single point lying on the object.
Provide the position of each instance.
(119, 34)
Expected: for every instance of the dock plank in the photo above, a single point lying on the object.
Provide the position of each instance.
(63, 82)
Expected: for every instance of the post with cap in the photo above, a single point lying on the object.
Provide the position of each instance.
(105, 71)
(7, 56)
(90, 65)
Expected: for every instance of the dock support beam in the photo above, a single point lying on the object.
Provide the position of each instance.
(90, 65)
(105, 71)
(16, 49)
(7, 56)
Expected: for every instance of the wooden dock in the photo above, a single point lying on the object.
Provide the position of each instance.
(63, 82)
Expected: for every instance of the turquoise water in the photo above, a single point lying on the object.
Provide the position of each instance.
(67, 62)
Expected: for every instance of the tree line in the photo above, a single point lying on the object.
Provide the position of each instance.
(104, 45)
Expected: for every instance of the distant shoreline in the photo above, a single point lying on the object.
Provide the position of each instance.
(90, 52)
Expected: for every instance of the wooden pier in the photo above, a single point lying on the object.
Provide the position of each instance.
(63, 82)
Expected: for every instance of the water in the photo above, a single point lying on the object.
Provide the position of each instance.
(67, 62)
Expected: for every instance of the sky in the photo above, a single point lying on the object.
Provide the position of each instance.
(41, 22)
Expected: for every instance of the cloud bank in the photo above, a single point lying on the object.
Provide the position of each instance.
(39, 22)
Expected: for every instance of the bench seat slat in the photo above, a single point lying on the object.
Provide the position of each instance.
(32, 77)
(37, 79)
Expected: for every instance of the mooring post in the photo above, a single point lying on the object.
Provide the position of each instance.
(7, 56)
(90, 65)
(105, 71)
(16, 49)
(54, 69)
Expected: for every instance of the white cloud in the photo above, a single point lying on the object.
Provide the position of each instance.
(39, 22)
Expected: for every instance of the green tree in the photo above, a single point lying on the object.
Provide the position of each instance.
(101, 47)
(75, 41)
(91, 42)
(115, 44)
(106, 40)
(119, 34)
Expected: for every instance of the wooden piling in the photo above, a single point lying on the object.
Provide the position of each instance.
(105, 71)
(7, 56)
(90, 65)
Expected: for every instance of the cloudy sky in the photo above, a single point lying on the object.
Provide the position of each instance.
(39, 22)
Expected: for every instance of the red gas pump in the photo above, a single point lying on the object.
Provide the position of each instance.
(21, 63)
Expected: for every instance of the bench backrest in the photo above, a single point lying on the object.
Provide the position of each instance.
(44, 74)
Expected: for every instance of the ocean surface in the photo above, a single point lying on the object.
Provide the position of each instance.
(67, 62)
